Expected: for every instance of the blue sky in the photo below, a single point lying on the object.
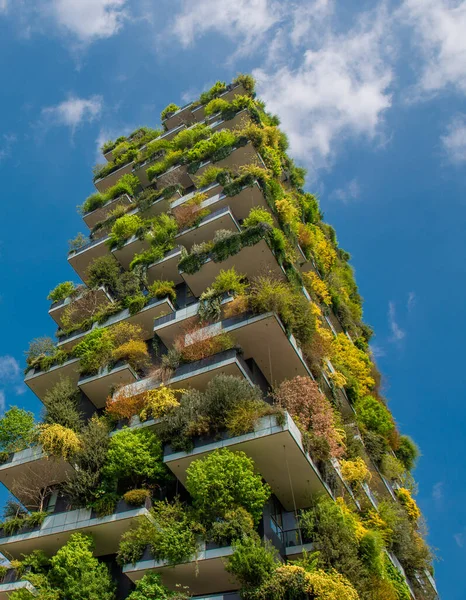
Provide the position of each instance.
(372, 96)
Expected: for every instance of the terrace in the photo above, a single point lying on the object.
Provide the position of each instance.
(80, 302)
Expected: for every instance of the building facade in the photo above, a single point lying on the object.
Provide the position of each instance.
(213, 422)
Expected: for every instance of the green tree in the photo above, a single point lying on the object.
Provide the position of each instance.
(16, 429)
(61, 405)
(78, 574)
(225, 480)
(374, 416)
(252, 562)
(134, 456)
(407, 452)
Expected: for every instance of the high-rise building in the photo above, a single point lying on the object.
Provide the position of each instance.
(213, 423)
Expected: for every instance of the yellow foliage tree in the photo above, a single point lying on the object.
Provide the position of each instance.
(59, 441)
(353, 363)
(404, 496)
(355, 471)
(158, 402)
(317, 287)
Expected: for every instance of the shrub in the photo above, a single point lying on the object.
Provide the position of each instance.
(404, 496)
(392, 467)
(136, 497)
(208, 176)
(243, 416)
(123, 406)
(317, 288)
(124, 228)
(190, 213)
(355, 471)
(158, 402)
(162, 289)
(224, 480)
(204, 149)
(199, 343)
(78, 574)
(407, 452)
(174, 534)
(62, 291)
(150, 587)
(134, 352)
(94, 350)
(171, 158)
(59, 441)
(103, 270)
(61, 405)
(16, 429)
(134, 541)
(234, 526)
(252, 562)
(218, 88)
(302, 398)
(354, 364)
(374, 416)
(171, 108)
(134, 456)
(258, 215)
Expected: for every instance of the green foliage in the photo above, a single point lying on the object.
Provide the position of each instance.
(134, 456)
(77, 243)
(77, 574)
(136, 497)
(218, 88)
(171, 158)
(124, 228)
(62, 291)
(94, 351)
(374, 416)
(103, 271)
(171, 108)
(235, 525)
(252, 562)
(61, 405)
(247, 81)
(174, 535)
(397, 580)
(16, 429)
(205, 149)
(162, 289)
(258, 215)
(150, 587)
(134, 541)
(407, 452)
(189, 137)
(224, 480)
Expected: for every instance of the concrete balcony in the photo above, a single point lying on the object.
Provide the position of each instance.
(195, 375)
(176, 175)
(57, 528)
(190, 114)
(10, 583)
(143, 318)
(263, 338)
(249, 261)
(111, 179)
(166, 268)
(100, 296)
(32, 464)
(203, 574)
(169, 327)
(82, 258)
(100, 214)
(244, 155)
(205, 231)
(98, 387)
(278, 454)
(240, 120)
(240, 204)
(40, 382)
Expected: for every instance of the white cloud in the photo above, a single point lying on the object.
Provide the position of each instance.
(439, 31)
(3, 5)
(454, 141)
(339, 89)
(397, 333)
(245, 19)
(2, 401)
(7, 141)
(74, 111)
(9, 368)
(437, 493)
(347, 194)
(459, 539)
(411, 301)
(89, 19)
(377, 351)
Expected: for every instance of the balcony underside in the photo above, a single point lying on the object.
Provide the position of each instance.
(41, 381)
(166, 268)
(250, 261)
(32, 465)
(98, 387)
(99, 298)
(57, 529)
(110, 180)
(81, 260)
(278, 455)
(205, 574)
(100, 214)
